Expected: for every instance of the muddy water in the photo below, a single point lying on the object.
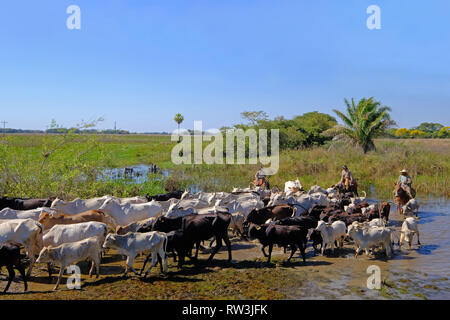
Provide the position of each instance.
(420, 273)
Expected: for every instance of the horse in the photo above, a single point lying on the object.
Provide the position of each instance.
(343, 189)
(401, 197)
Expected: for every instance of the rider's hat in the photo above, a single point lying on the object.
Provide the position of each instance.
(344, 167)
(404, 171)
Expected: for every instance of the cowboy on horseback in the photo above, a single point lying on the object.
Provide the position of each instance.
(260, 178)
(405, 181)
(347, 180)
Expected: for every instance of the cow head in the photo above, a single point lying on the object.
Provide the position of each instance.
(109, 241)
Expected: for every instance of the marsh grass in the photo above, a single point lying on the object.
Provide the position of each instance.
(427, 160)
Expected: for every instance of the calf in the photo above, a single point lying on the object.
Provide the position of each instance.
(10, 258)
(268, 235)
(366, 238)
(331, 232)
(48, 221)
(73, 252)
(60, 234)
(133, 243)
(409, 229)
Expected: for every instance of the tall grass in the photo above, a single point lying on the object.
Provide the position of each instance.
(72, 168)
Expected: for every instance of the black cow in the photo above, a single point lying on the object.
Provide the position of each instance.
(23, 204)
(284, 236)
(178, 244)
(197, 228)
(260, 216)
(165, 196)
(10, 257)
(302, 221)
(316, 238)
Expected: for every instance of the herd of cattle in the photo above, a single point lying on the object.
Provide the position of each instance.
(62, 233)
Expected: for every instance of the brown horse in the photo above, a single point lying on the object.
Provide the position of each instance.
(401, 197)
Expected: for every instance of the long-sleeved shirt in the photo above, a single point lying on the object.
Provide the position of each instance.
(346, 174)
(404, 179)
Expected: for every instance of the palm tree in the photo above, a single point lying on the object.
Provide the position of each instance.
(178, 119)
(362, 123)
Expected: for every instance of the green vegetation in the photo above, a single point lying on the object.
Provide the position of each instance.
(426, 130)
(300, 132)
(26, 171)
(178, 119)
(362, 123)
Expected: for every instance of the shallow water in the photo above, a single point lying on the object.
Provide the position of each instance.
(139, 173)
(429, 263)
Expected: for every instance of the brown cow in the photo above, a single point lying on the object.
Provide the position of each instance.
(48, 221)
(401, 197)
(278, 212)
(384, 208)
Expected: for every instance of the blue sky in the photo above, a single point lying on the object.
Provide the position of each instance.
(138, 62)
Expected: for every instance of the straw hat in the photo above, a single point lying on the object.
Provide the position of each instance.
(404, 171)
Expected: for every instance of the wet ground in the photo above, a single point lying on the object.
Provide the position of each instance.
(420, 273)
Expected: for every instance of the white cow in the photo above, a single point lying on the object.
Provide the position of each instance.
(26, 232)
(411, 207)
(78, 205)
(34, 214)
(244, 207)
(316, 188)
(127, 213)
(292, 186)
(358, 200)
(65, 233)
(133, 243)
(71, 253)
(409, 229)
(132, 200)
(331, 232)
(175, 210)
(366, 238)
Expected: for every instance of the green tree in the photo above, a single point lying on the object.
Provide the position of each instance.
(253, 117)
(362, 123)
(178, 119)
(444, 133)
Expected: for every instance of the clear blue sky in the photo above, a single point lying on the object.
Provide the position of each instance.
(138, 62)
